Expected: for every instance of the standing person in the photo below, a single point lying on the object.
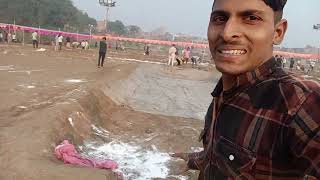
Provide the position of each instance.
(172, 54)
(14, 38)
(186, 55)
(291, 63)
(35, 39)
(60, 41)
(312, 65)
(102, 52)
(263, 123)
(68, 45)
(56, 40)
(9, 37)
(5, 37)
(1, 37)
(284, 62)
(147, 50)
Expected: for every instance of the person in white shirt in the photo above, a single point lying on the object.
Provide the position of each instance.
(1, 36)
(9, 37)
(35, 39)
(14, 37)
(172, 55)
(56, 42)
(60, 40)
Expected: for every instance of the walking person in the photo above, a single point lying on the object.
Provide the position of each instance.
(35, 39)
(102, 52)
(172, 55)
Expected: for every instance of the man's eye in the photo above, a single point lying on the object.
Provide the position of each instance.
(219, 19)
(252, 18)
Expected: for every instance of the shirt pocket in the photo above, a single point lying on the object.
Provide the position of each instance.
(234, 160)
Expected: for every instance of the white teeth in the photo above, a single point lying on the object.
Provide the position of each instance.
(233, 52)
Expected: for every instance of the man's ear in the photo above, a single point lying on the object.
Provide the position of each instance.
(280, 31)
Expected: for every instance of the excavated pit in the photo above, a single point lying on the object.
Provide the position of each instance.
(133, 113)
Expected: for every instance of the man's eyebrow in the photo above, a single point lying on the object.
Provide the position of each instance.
(241, 13)
(219, 12)
(250, 12)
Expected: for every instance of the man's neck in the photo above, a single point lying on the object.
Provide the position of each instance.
(228, 81)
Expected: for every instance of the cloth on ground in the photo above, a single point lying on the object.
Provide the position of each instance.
(68, 153)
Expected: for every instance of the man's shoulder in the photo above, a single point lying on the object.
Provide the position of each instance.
(295, 89)
(303, 83)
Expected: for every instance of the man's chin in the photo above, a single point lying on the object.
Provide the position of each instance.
(229, 70)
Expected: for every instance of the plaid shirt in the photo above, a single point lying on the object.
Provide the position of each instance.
(266, 127)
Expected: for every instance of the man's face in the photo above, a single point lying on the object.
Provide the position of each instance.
(241, 35)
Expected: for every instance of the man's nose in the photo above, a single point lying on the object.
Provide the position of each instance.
(231, 30)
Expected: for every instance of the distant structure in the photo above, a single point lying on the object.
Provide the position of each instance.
(108, 4)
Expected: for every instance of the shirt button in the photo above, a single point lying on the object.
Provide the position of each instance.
(231, 157)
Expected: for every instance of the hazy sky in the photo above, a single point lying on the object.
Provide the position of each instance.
(192, 17)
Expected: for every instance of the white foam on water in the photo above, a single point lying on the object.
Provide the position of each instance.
(41, 50)
(71, 121)
(5, 68)
(22, 107)
(74, 81)
(134, 161)
(27, 86)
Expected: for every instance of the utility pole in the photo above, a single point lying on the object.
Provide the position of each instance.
(108, 4)
(90, 31)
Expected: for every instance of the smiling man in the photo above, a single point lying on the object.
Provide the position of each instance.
(263, 122)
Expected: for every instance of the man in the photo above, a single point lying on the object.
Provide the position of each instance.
(284, 62)
(102, 52)
(14, 38)
(68, 45)
(1, 37)
(60, 41)
(263, 123)
(56, 40)
(9, 37)
(291, 64)
(35, 39)
(147, 50)
(172, 55)
(186, 55)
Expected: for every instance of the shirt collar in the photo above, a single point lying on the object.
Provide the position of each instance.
(248, 78)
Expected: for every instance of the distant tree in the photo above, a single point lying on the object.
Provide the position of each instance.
(52, 14)
(117, 27)
(134, 30)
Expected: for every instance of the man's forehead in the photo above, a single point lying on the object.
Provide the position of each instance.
(237, 6)
(275, 5)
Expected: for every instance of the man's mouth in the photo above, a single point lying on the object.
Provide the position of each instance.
(232, 52)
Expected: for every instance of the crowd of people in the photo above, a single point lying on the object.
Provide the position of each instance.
(184, 58)
(296, 64)
(8, 37)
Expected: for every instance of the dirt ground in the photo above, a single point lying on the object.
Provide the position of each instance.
(49, 96)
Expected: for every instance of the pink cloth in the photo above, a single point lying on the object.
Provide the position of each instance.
(68, 153)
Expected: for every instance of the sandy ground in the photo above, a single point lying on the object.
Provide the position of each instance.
(134, 113)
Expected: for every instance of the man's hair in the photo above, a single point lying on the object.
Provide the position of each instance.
(277, 6)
